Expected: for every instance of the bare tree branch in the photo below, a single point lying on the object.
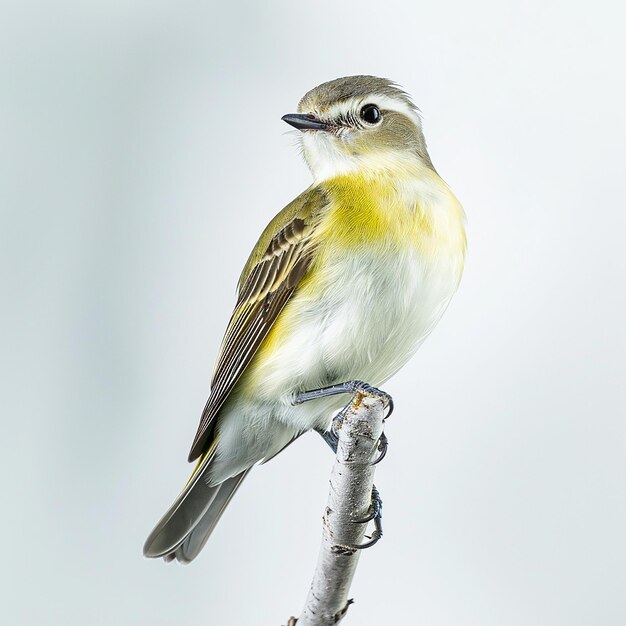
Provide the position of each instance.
(349, 500)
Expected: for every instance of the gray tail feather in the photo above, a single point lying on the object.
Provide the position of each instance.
(184, 529)
(189, 549)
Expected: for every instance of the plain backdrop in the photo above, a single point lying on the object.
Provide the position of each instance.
(142, 152)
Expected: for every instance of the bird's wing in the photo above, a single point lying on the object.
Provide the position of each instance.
(274, 269)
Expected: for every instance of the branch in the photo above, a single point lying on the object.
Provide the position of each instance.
(348, 500)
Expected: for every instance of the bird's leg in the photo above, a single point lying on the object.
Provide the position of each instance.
(350, 386)
(331, 437)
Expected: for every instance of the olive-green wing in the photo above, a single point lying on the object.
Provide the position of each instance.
(275, 267)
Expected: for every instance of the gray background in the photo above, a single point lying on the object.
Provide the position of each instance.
(141, 154)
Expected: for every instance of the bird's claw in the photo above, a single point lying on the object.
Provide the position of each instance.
(367, 389)
(383, 445)
(375, 513)
(374, 538)
(390, 407)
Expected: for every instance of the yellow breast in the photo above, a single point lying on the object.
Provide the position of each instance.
(403, 208)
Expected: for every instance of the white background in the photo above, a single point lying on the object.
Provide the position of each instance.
(142, 152)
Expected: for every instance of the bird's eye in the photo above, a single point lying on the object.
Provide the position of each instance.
(370, 113)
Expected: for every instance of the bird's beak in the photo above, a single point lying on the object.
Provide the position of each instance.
(304, 121)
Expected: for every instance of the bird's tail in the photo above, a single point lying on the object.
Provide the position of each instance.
(184, 529)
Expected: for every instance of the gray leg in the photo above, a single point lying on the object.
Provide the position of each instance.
(350, 386)
(331, 436)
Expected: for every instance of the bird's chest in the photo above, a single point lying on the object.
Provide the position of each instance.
(381, 279)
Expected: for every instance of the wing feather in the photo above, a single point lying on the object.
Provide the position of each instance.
(264, 291)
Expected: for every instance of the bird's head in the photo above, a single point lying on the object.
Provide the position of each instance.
(358, 123)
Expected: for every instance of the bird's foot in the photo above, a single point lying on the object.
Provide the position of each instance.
(374, 514)
(367, 390)
(331, 437)
(383, 445)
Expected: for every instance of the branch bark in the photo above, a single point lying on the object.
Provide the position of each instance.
(349, 499)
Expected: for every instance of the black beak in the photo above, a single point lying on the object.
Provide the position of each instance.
(303, 121)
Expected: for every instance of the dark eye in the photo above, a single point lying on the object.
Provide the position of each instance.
(370, 113)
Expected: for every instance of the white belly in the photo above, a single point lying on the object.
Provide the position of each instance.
(375, 312)
(383, 312)
(371, 318)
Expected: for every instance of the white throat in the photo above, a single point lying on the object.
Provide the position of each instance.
(326, 159)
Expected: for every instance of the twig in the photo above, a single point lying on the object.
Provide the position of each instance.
(348, 500)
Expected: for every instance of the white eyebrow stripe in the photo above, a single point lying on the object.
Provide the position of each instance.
(353, 105)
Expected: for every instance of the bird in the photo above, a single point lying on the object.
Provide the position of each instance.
(343, 285)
